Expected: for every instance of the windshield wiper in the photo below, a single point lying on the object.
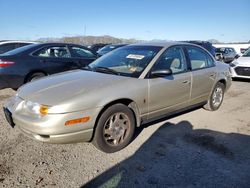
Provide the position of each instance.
(106, 70)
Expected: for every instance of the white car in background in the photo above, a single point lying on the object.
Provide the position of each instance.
(240, 68)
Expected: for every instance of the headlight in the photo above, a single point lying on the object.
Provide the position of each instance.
(36, 108)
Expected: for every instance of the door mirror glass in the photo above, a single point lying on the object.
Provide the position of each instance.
(161, 73)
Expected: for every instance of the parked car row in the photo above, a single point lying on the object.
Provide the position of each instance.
(30, 60)
(34, 60)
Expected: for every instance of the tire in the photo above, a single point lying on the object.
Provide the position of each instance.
(216, 97)
(35, 76)
(115, 129)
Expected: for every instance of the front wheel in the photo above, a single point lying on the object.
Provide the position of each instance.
(216, 97)
(115, 129)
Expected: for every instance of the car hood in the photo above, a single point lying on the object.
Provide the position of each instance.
(243, 61)
(58, 88)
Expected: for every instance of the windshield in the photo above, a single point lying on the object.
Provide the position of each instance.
(247, 53)
(20, 50)
(108, 48)
(127, 61)
(220, 50)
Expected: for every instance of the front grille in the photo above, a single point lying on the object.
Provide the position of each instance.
(243, 71)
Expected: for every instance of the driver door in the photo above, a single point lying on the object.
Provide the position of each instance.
(170, 93)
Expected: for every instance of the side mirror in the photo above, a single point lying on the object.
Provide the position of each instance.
(161, 73)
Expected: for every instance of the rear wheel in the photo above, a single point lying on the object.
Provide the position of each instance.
(35, 76)
(216, 97)
(115, 129)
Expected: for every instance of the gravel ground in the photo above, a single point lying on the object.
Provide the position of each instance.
(195, 149)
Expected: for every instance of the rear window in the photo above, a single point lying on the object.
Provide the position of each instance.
(21, 49)
(7, 47)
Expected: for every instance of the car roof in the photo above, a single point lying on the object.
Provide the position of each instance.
(116, 44)
(59, 43)
(163, 44)
(16, 41)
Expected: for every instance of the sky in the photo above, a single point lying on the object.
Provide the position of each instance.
(224, 20)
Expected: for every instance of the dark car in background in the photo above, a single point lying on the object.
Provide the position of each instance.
(109, 48)
(96, 47)
(205, 44)
(227, 54)
(8, 45)
(31, 62)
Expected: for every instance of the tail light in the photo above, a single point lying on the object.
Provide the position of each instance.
(6, 63)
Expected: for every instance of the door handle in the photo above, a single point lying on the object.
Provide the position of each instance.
(186, 82)
(212, 75)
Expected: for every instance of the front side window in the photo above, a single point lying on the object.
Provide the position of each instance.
(199, 58)
(172, 58)
(128, 61)
(81, 52)
(53, 52)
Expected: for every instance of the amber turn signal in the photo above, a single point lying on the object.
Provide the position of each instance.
(44, 110)
(76, 121)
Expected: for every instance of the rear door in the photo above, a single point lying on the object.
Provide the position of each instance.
(171, 92)
(55, 58)
(203, 73)
(82, 56)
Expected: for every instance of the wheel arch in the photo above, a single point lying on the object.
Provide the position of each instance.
(223, 81)
(126, 101)
(33, 72)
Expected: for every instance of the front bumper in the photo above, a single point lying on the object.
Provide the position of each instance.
(80, 136)
(240, 72)
(51, 127)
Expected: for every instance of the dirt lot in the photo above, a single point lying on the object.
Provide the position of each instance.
(195, 149)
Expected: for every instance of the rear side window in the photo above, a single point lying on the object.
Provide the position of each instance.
(81, 52)
(7, 47)
(199, 59)
(53, 52)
